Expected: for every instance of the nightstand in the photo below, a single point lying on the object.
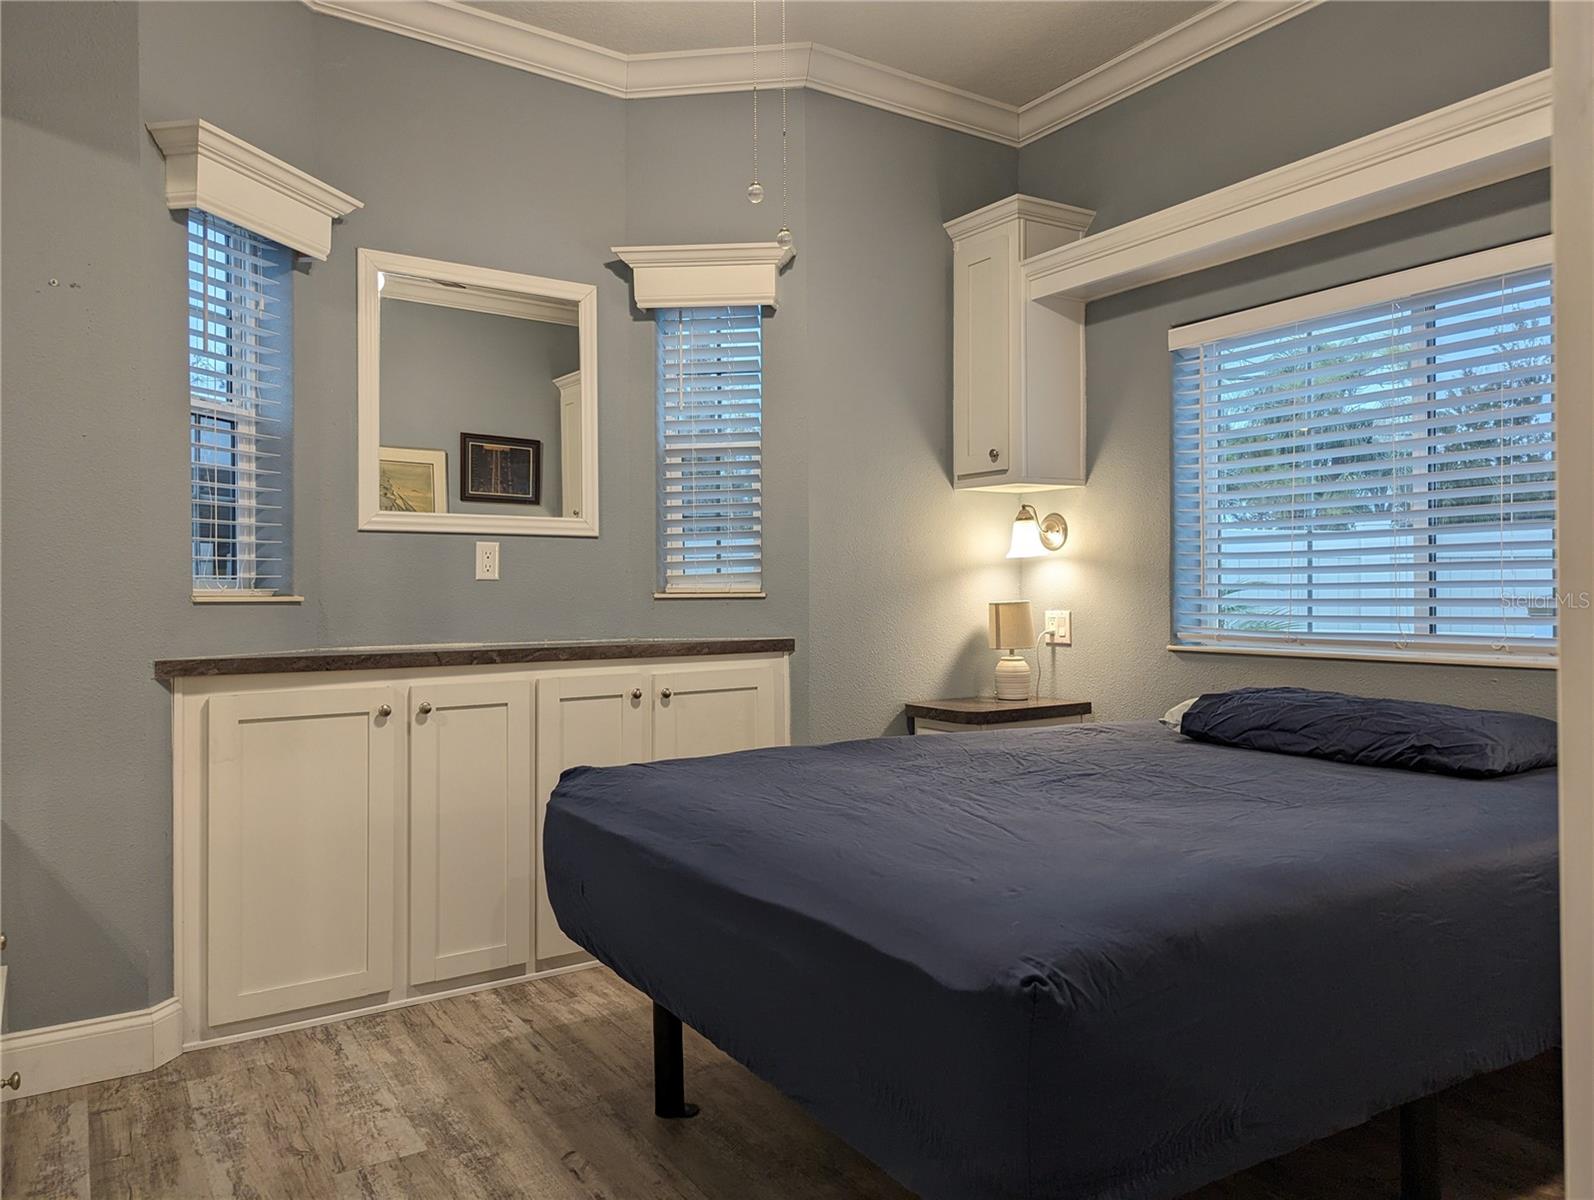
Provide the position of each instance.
(971, 713)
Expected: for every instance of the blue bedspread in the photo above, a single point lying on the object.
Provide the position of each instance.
(1089, 962)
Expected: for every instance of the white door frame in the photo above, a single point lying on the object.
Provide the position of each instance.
(1572, 55)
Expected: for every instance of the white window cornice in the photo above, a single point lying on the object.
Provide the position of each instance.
(698, 276)
(210, 169)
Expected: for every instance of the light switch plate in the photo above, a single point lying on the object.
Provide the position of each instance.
(1059, 627)
(486, 560)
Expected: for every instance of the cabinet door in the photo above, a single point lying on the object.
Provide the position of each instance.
(983, 355)
(594, 720)
(713, 710)
(301, 815)
(470, 828)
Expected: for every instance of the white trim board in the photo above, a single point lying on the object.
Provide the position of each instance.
(511, 43)
(1572, 213)
(63, 1056)
(479, 299)
(1487, 138)
(1485, 264)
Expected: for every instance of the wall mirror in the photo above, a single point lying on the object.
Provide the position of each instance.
(478, 400)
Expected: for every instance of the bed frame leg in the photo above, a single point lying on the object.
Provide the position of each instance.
(1419, 1150)
(669, 1067)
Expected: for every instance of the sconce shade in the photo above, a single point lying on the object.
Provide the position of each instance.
(1010, 624)
(1026, 537)
(1034, 536)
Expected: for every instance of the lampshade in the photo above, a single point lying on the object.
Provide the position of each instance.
(1026, 536)
(1010, 624)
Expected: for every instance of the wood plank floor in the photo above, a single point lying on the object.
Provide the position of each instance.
(543, 1090)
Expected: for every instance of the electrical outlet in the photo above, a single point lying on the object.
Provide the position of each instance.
(1059, 627)
(486, 560)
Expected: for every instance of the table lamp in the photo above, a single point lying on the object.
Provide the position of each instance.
(1009, 625)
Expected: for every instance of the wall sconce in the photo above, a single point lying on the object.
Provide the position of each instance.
(1035, 535)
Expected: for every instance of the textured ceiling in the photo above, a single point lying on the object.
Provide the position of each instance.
(1009, 50)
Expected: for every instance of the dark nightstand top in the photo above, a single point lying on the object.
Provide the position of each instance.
(987, 710)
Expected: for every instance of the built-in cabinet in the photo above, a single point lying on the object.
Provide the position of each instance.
(349, 841)
(596, 720)
(470, 828)
(301, 814)
(1018, 382)
(600, 720)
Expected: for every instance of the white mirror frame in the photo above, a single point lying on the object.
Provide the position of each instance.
(371, 264)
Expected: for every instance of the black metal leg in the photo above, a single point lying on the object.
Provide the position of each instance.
(1419, 1150)
(669, 1068)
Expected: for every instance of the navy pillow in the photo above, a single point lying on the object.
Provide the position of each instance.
(1409, 734)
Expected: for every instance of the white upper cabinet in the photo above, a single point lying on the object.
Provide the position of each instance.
(1018, 368)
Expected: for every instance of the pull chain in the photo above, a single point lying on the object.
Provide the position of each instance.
(784, 237)
(755, 190)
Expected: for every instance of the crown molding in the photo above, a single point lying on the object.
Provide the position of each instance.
(1211, 31)
(511, 43)
(837, 73)
(487, 35)
(1489, 137)
(688, 276)
(210, 169)
(705, 72)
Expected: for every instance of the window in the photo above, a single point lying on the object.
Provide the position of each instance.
(1372, 470)
(710, 370)
(240, 408)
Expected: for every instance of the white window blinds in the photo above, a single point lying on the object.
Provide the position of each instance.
(1380, 478)
(240, 364)
(710, 372)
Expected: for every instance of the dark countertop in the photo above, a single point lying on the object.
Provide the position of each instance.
(462, 654)
(987, 710)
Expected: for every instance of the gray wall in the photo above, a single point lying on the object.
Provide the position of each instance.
(447, 371)
(460, 160)
(902, 566)
(1333, 74)
(1278, 97)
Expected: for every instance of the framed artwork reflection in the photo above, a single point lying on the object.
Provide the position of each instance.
(506, 470)
(413, 480)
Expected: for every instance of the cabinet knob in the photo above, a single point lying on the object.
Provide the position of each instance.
(2, 941)
(666, 694)
(995, 454)
(12, 1081)
(636, 693)
(425, 707)
(385, 710)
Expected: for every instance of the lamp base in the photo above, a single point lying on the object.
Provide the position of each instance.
(1012, 677)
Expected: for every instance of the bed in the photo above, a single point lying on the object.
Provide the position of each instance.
(1079, 963)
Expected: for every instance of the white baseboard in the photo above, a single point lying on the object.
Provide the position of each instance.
(63, 1056)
